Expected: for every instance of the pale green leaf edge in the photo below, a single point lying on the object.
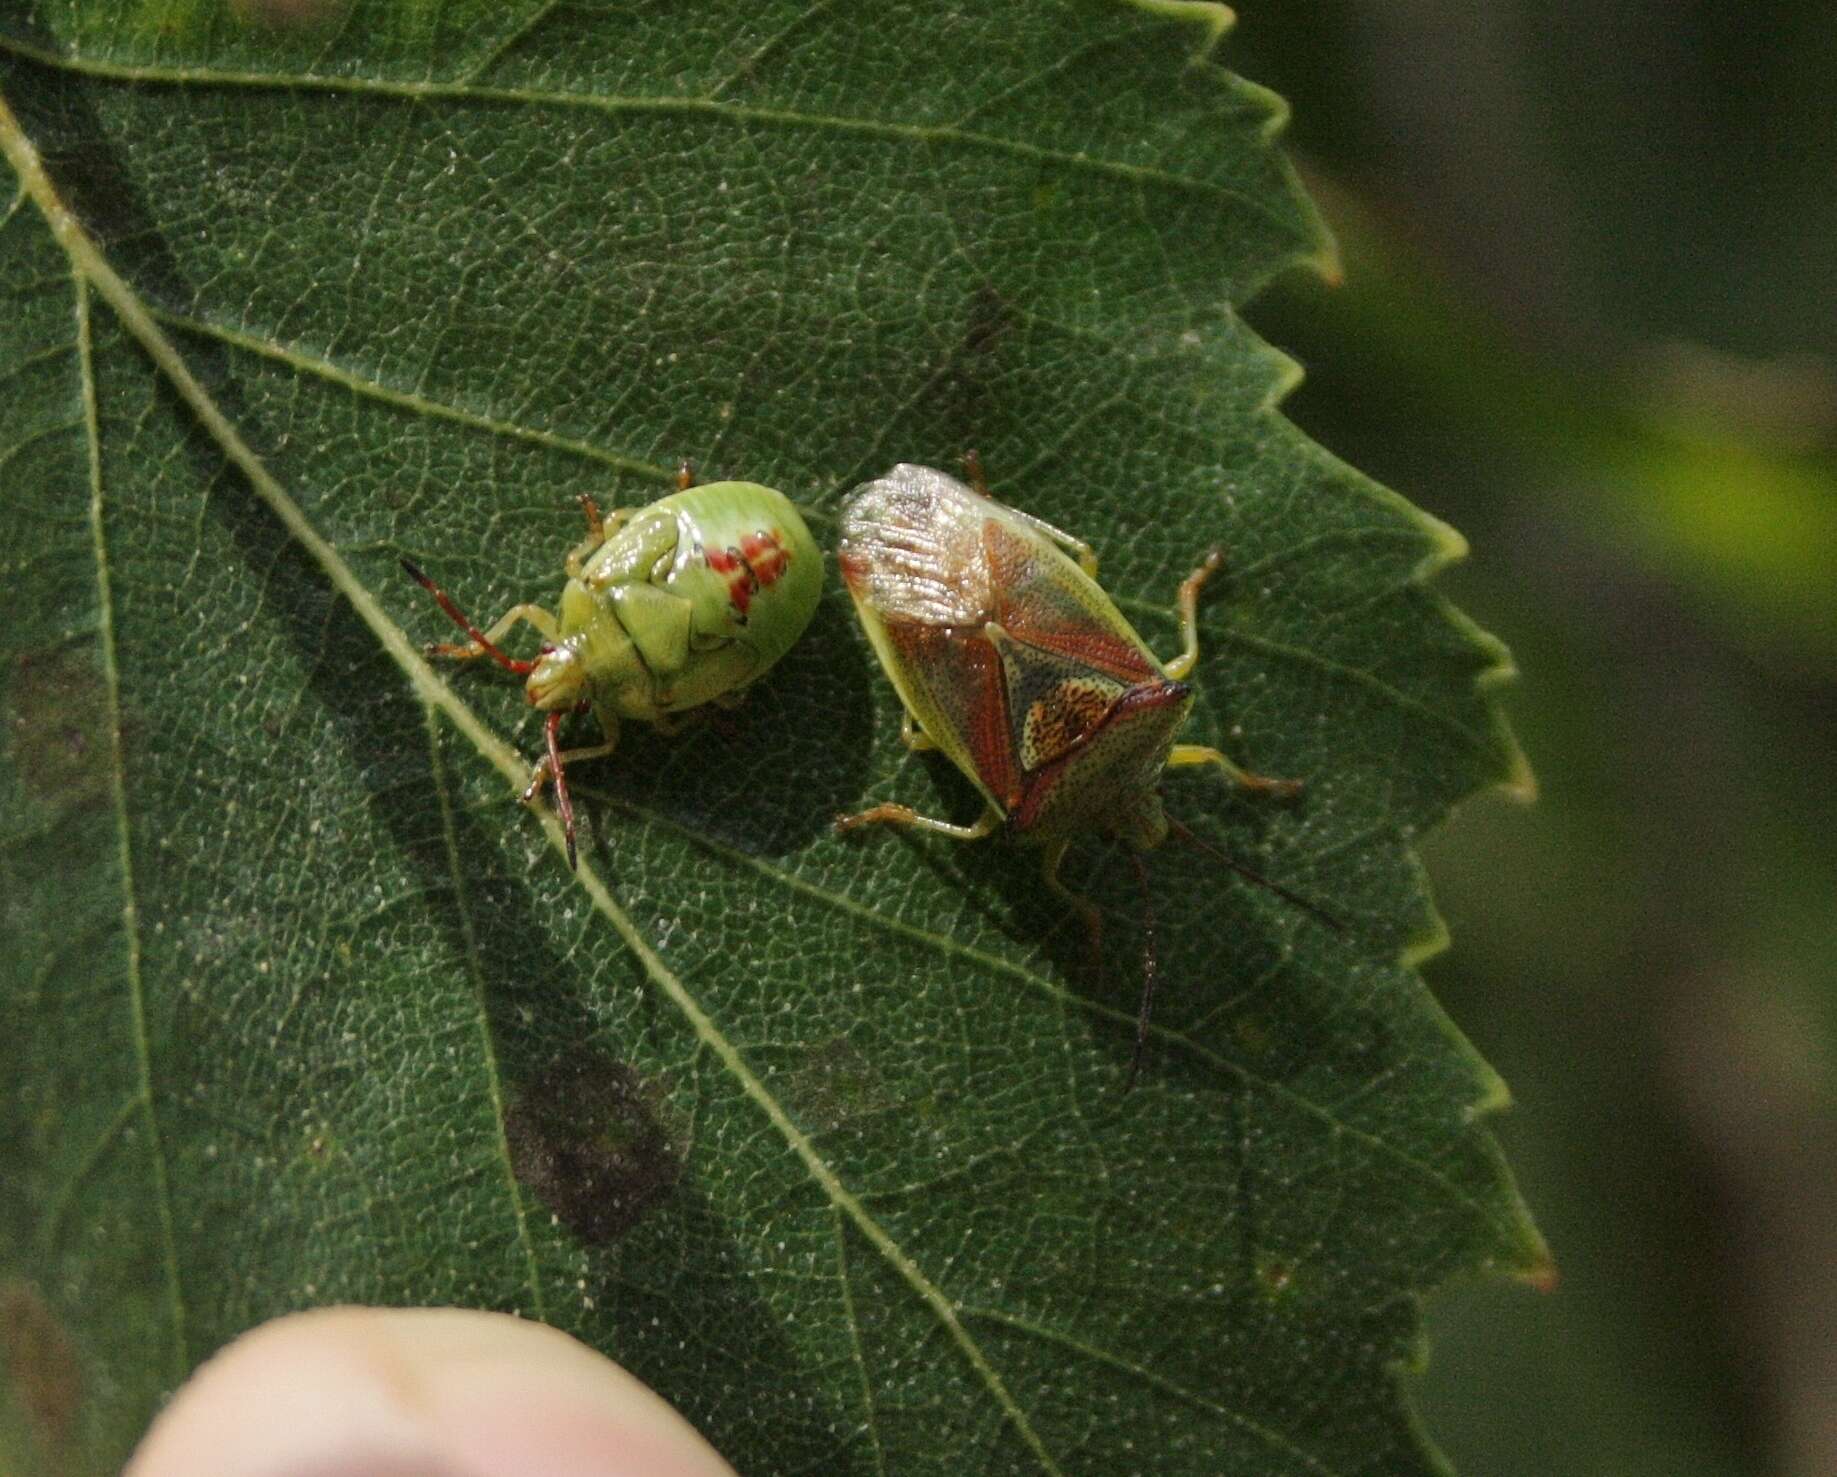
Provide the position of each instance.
(1446, 547)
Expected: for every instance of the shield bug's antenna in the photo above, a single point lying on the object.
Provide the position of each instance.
(1312, 909)
(1149, 970)
(481, 643)
(1150, 965)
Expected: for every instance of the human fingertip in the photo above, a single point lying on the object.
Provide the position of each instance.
(417, 1392)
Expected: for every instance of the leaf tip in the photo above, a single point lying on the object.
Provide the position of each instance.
(1431, 942)
(1543, 1274)
(1214, 19)
(1448, 546)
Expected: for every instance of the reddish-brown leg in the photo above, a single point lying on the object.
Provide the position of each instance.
(596, 525)
(555, 763)
(564, 802)
(480, 644)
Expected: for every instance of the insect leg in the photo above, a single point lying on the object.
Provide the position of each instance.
(905, 815)
(1085, 908)
(1190, 587)
(1239, 776)
(555, 763)
(600, 527)
(533, 615)
(596, 525)
(1093, 930)
(483, 643)
(1183, 664)
(467, 651)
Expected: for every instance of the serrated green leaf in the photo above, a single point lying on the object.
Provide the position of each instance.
(824, 1138)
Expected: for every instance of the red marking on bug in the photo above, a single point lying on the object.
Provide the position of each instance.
(765, 553)
(758, 563)
(742, 583)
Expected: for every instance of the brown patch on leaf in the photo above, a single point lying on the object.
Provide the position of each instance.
(1275, 1277)
(990, 320)
(41, 1364)
(586, 1139)
(57, 728)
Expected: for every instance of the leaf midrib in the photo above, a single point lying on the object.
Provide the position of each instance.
(494, 1075)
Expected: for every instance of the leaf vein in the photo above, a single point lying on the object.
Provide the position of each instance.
(1340, 672)
(772, 43)
(61, 1199)
(410, 400)
(948, 945)
(713, 109)
(130, 907)
(869, 1418)
(511, 40)
(1273, 1438)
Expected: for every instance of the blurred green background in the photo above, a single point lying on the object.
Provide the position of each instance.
(1590, 252)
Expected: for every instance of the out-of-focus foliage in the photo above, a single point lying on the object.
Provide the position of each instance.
(1588, 254)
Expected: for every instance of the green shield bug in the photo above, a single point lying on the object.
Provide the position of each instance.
(1011, 660)
(683, 602)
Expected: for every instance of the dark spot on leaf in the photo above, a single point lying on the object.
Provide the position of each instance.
(57, 728)
(41, 1364)
(990, 321)
(836, 1085)
(962, 399)
(1275, 1277)
(585, 1137)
